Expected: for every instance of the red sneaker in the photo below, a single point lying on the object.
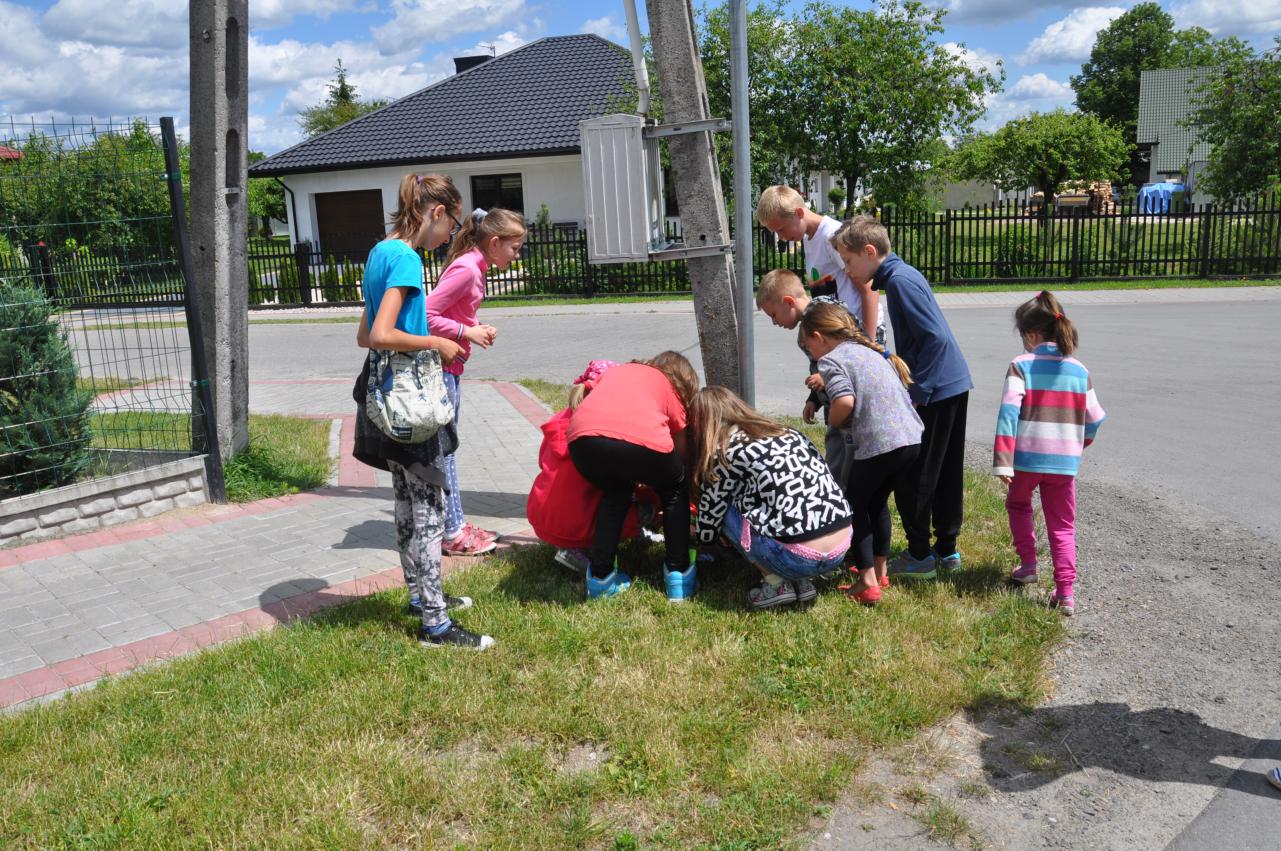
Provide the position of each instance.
(885, 582)
(868, 596)
(466, 544)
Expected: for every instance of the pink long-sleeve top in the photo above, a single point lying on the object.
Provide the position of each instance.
(452, 303)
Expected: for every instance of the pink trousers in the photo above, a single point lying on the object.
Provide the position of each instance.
(1058, 501)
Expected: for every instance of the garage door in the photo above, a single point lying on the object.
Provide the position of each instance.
(349, 222)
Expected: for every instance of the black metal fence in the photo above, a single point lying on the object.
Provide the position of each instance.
(1007, 243)
(96, 371)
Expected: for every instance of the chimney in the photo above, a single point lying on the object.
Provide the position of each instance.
(462, 63)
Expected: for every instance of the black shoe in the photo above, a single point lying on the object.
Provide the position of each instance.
(453, 604)
(455, 636)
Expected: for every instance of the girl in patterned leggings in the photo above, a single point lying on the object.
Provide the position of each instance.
(765, 489)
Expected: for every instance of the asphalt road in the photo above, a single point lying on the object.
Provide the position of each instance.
(1192, 390)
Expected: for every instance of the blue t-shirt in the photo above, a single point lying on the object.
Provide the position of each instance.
(392, 263)
(922, 336)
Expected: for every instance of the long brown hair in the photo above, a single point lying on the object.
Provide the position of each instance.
(1044, 315)
(419, 193)
(713, 412)
(834, 321)
(679, 372)
(481, 226)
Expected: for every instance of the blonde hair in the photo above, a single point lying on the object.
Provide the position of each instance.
(679, 372)
(776, 284)
(860, 231)
(778, 202)
(1044, 315)
(713, 412)
(481, 226)
(577, 393)
(419, 193)
(835, 322)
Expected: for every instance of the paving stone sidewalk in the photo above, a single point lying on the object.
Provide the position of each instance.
(82, 607)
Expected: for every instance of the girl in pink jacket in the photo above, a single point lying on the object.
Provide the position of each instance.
(487, 239)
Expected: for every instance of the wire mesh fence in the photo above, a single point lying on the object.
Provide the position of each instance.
(95, 351)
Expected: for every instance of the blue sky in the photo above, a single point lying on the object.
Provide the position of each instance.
(104, 58)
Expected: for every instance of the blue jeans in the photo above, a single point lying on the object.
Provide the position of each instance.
(453, 499)
(767, 553)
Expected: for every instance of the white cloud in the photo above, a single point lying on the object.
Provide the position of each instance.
(1039, 87)
(976, 58)
(1070, 39)
(21, 42)
(606, 27)
(418, 22)
(501, 43)
(157, 24)
(1230, 17)
(968, 11)
(275, 13)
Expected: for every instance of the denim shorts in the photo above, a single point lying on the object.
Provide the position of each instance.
(771, 555)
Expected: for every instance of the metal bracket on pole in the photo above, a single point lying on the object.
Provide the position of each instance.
(684, 252)
(714, 125)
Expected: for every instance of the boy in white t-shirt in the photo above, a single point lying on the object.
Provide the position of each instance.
(782, 211)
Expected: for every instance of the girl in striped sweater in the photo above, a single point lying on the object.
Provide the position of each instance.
(1048, 415)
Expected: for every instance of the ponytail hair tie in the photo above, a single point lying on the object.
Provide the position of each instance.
(886, 353)
(478, 215)
(1058, 316)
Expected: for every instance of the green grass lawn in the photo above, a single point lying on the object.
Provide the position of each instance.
(620, 723)
(285, 455)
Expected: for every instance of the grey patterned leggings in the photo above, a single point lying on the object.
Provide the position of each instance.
(420, 527)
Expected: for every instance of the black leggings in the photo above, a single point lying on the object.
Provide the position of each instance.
(935, 486)
(868, 490)
(616, 466)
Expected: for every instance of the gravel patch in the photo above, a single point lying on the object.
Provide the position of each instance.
(1166, 684)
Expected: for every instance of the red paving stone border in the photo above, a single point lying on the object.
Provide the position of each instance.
(70, 673)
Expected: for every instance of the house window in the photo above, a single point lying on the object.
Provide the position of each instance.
(498, 190)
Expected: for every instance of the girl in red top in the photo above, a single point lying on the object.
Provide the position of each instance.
(631, 430)
(562, 505)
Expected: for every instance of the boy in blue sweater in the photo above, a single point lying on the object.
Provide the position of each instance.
(932, 488)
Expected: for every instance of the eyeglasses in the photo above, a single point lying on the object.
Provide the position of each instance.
(457, 225)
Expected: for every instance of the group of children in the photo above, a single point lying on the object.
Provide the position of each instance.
(639, 439)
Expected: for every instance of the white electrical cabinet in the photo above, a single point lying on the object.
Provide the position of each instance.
(623, 185)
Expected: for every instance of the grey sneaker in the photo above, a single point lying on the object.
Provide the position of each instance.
(805, 590)
(455, 636)
(904, 565)
(948, 563)
(766, 596)
(575, 560)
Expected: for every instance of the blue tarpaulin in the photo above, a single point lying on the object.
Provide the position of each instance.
(1155, 197)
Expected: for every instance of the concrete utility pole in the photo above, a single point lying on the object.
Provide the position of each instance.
(698, 186)
(219, 201)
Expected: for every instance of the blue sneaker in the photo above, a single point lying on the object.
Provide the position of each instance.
(904, 565)
(948, 563)
(615, 583)
(680, 586)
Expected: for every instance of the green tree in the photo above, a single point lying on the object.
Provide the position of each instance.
(266, 198)
(767, 96)
(1237, 116)
(44, 416)
(341, 105)
(871, 93)
(1142, 39)
(1043, 150)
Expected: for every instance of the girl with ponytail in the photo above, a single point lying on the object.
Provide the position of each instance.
(1049, 414)
(487, 239)
(867, 387)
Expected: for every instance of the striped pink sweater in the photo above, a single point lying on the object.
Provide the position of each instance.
(1049, 414)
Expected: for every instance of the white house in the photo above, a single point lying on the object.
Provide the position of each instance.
(505, 129)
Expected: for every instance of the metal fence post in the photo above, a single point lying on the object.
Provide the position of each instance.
(302, 257)
(947, 247)
(195, 332)
(1207, 241)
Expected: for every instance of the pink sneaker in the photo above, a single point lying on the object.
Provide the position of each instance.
(466, 544)
(1065, 603)
(481, 534)
(1024, 575)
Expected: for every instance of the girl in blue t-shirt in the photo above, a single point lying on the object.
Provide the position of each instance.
(426, 217)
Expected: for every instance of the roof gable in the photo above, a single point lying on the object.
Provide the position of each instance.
(528, 101)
